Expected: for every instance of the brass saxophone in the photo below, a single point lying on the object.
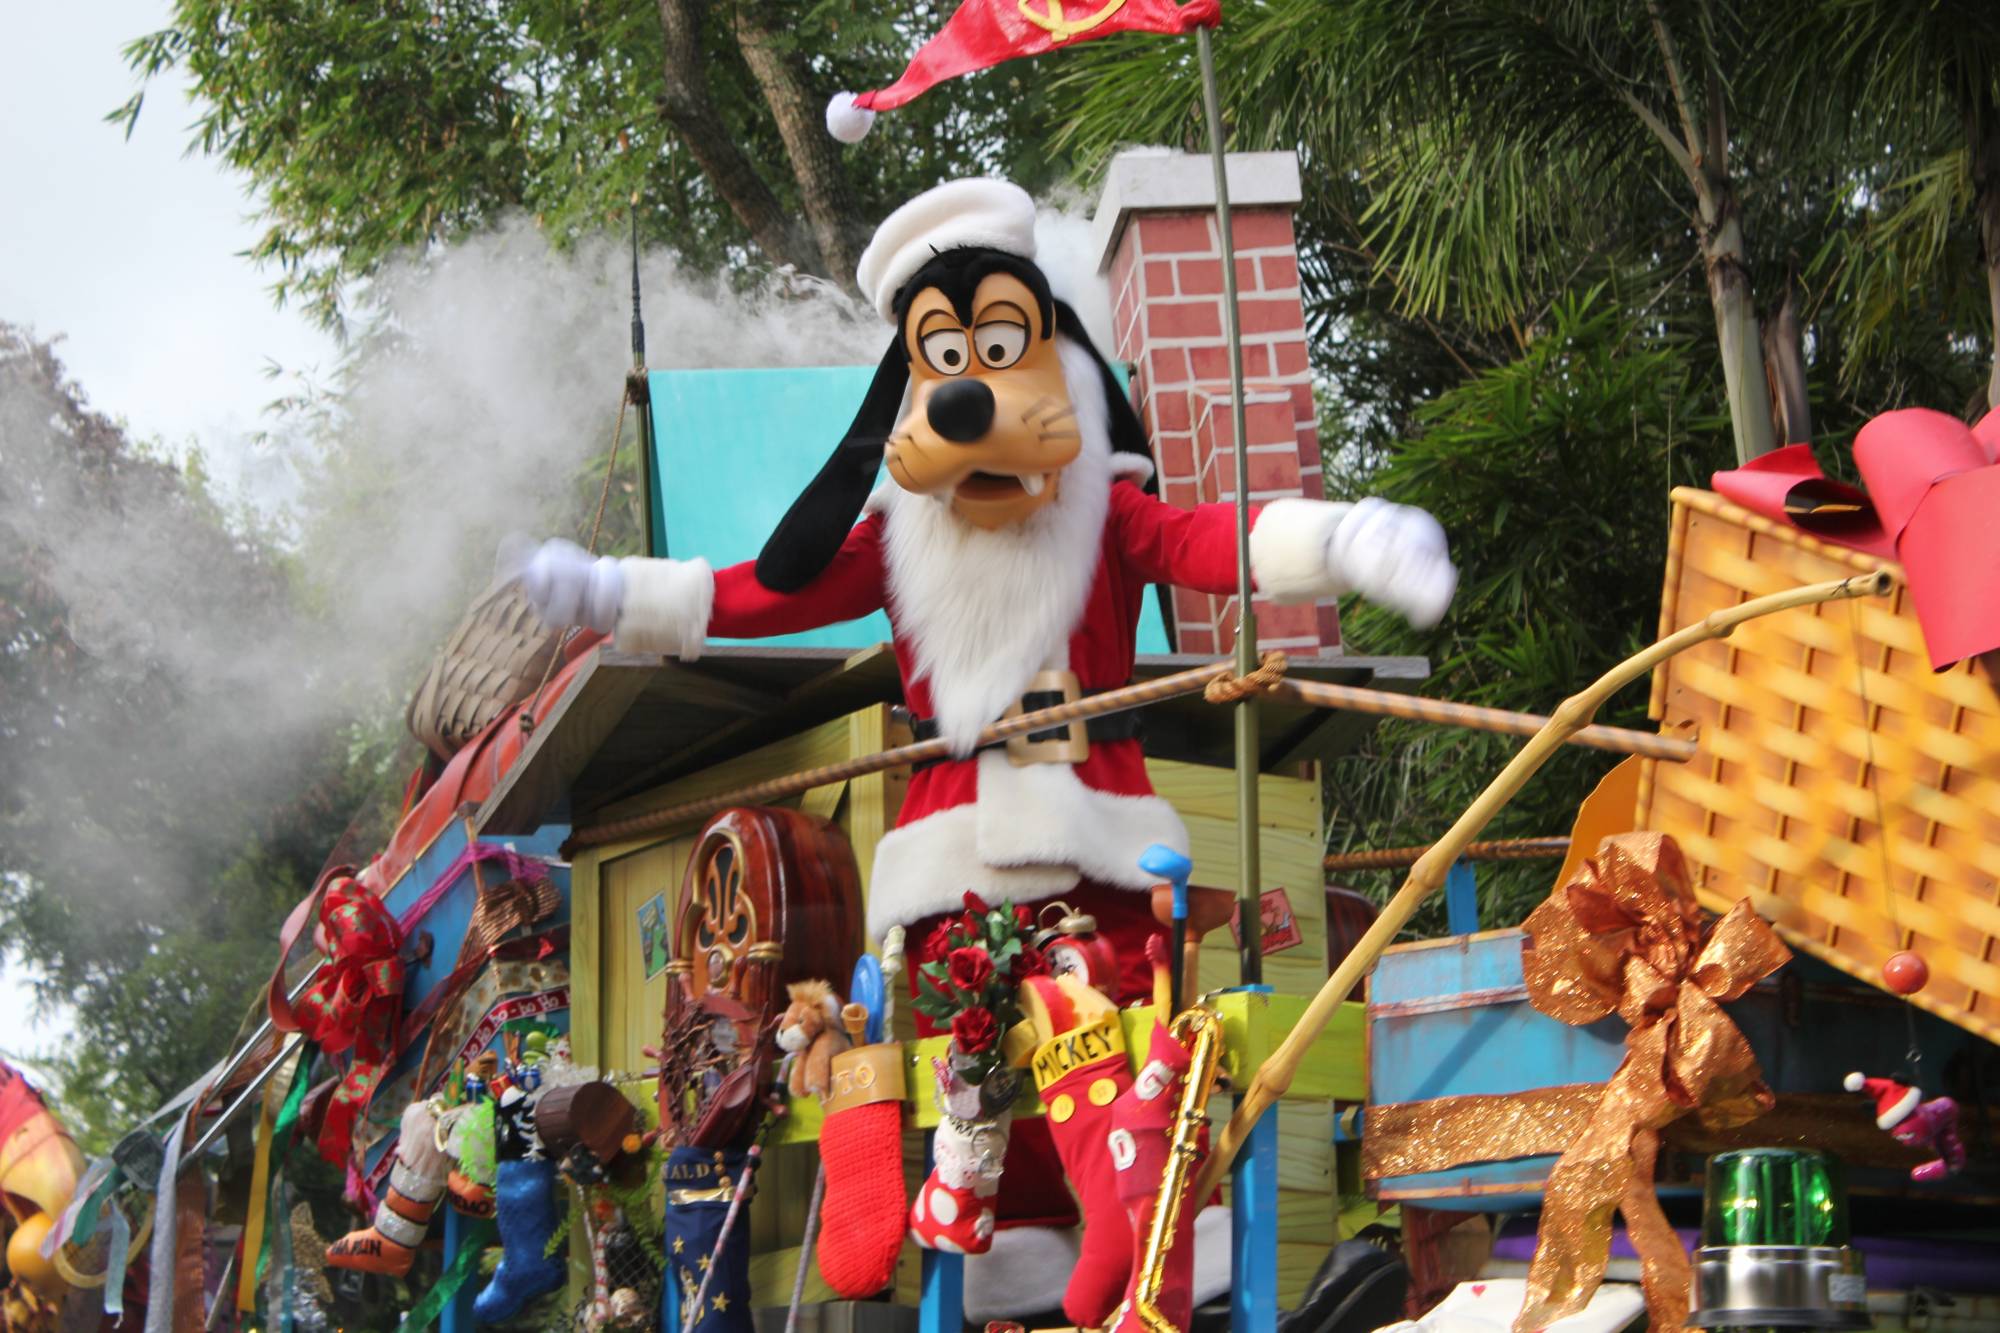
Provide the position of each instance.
(1200, 1030)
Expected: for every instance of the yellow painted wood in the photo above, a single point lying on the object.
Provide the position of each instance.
(632, 1022)
(587, 999)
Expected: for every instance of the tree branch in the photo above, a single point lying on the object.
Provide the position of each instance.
(1675, 80)
(690, 109)
(781, 74)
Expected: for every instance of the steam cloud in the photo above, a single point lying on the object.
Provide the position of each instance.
(488, 378)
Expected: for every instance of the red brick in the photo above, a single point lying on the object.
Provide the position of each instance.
(1170, 411)
(1256, 360)
(1181, 494)
(1183, 319)
(1280, 272)
(1176, 233)
(1291, 357)
(1270, 423)
(1210, 363)
(1122, 264)
(1128, 307)
(1280, 314)
(1191, 608)
(1176, 454)
(1169, 366)
(1312, 486)
(1159, 278)
(1203, 277)
(1197, 639)
(1294, 621)
(1309, 455)
(1262, 229)
(1303, 406)
(1225, 634)
(1268, 472)
(1329, 626)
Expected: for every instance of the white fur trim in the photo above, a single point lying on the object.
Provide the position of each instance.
(980, 211)
(984, 611)
(1854, 1082)
(1900, 1110)
(1291, 549)
(847, 122)
(667, 604)
(1023, 1273)
(1132, 467)
(1032, 832)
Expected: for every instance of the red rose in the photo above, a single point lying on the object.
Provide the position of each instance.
(938, 943)
(974, 1031)
(970, 924)
(971, 968)
(975, 903)
(1024, 918)
(1029, 963)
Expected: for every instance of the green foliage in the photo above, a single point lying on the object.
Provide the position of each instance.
(370, 128)
(1551, 475)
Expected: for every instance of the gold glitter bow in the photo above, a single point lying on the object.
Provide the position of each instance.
(1624, 936)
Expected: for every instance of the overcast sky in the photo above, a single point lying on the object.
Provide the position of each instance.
(131, 252)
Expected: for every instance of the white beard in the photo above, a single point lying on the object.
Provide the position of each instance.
(986, 610)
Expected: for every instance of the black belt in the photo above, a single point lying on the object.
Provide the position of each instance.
(1126, 726)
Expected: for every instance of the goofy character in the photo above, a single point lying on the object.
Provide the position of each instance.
(1011, 548)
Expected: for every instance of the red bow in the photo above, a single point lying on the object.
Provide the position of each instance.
(355, 1002)
(1933, 488)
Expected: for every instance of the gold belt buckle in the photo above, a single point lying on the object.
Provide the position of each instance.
(1073, 748)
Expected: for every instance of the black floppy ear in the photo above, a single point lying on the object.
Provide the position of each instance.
(809, 535)
(1128, 436)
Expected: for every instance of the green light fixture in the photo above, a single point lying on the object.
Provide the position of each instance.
(1774, 1245)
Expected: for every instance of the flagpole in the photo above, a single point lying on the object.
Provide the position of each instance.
(1249, 871)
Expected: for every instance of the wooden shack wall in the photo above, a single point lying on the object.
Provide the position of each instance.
(615, 1010)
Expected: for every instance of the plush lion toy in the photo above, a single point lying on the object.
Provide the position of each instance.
(810, 1033)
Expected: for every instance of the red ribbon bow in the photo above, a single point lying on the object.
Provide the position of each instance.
(355, 1002)
(1933, 488)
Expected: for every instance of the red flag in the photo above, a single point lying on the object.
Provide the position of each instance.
(983, 33)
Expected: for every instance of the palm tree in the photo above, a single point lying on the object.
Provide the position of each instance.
(1498, 137)
(1916, 82)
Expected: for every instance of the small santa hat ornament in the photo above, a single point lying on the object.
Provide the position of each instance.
(978, 211)
(1893, 1101)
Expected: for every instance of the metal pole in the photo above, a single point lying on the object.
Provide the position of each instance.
(652, 520)
(243, 1099)
(1249, 869)
(263, 1030)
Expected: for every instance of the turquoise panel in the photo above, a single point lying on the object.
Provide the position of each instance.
(733, 448)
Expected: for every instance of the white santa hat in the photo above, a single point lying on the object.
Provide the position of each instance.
(993, 214)
(1893, 1101)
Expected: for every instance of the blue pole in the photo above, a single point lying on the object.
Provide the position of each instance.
(942, 1308)
(1253, 1230)
(459, 1231)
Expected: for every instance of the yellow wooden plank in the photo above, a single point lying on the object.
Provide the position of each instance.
(586, 992)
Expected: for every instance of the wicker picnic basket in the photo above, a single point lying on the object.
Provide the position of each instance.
(1817, 729)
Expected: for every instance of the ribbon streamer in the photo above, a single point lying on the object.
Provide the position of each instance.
(354, 1003)
(1625, 936)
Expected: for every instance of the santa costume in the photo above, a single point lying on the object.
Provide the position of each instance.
(988, 620)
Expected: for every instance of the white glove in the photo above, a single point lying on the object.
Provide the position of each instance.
(564, 583)
(1395, 556)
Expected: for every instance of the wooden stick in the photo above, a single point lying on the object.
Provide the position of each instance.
(1353, 699)
(1274, 1076)
(1396, 858)
(1191, 681)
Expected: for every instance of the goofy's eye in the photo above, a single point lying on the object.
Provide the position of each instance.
(1000, 342)
(945, 351)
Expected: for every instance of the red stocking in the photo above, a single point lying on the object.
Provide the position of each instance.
(1080, 1074)
(1142, 1128)
(861, 1147)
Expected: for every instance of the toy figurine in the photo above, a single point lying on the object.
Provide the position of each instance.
(810, 1035)
(1929, 1125)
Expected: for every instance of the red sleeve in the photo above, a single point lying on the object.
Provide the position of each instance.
(1187, 548)
(847, 589)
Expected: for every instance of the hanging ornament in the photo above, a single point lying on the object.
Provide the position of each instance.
(1905, 972)
(1071, 946)
(1929, 1125)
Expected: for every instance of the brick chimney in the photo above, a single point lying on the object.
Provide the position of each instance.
(1157, 244)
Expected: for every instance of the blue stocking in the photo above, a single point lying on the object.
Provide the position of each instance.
(698, 1192)
(524, 1201)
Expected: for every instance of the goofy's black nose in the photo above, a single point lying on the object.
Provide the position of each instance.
(961, 411)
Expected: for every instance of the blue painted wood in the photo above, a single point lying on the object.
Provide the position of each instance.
(456, 1317)
(1461, 898)
(941, 1304)
(1253, 1218)
(1451, 1017)
(733, 448)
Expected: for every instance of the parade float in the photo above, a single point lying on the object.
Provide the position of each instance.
(898, 899)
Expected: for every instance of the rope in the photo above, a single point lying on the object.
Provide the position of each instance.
(1397, 858)
(527, 717)
(1234, 689)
